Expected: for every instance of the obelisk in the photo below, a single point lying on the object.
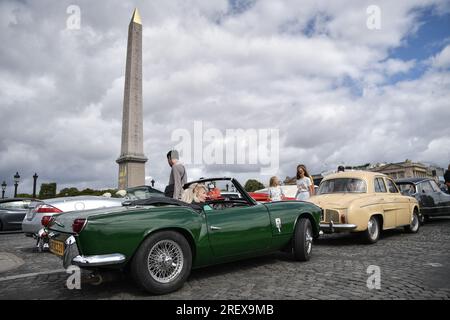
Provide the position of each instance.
(132, 160)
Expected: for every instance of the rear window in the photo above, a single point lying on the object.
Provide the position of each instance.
(407, 188)
(22, 204)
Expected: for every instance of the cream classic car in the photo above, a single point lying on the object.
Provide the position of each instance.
(366, 202)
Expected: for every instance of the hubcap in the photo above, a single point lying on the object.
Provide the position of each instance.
(373, 228)
(308, 240)
(414, 222)
(165, 261)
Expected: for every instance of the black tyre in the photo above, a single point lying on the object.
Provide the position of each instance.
(162, 263)
(372, 234)
(40, 244)
(415, 225)
(422, 219)
(302, 240)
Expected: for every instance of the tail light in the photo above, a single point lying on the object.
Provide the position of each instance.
(46, 208)
(46, 220)
(78, 225)
(343, 220)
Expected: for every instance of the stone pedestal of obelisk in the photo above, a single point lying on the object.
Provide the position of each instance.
(132, 160)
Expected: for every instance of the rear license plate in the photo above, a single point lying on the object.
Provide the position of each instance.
(57, 247)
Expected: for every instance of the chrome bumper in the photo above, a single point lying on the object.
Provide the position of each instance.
(331, 227)
(101, 260)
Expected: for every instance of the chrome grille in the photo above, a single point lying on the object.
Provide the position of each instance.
(331, 215)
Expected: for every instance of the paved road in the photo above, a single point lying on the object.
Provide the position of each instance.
(412, 266)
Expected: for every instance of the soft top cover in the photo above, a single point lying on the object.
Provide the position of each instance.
(157, 200)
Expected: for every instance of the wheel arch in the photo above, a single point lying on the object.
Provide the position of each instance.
(184, 232)
(309, 216)
(379, 216)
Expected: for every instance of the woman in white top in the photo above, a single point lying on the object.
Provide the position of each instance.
(275, 191)
(304, 185)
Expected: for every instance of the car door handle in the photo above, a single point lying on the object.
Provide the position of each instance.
(215, 228)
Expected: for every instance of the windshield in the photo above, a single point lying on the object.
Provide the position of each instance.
(407, 188)
(342, 185)
(218, 189)
(140, 193)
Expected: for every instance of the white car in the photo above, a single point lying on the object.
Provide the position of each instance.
(41, 211)
(289, 190)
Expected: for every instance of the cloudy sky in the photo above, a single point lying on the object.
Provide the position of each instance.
(340, 85)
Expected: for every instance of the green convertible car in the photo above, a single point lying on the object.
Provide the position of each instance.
(159, 240)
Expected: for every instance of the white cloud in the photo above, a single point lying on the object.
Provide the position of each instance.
(442, 59)
(311, 69)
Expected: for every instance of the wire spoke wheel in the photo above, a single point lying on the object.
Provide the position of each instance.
(308, 239)
(165, 261)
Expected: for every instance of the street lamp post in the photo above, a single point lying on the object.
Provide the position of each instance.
(34, 184)
(3, 189)
(16, 183)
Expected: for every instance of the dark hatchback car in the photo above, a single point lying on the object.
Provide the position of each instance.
(432, 200)
(12, 212)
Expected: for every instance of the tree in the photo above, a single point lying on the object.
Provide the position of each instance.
(89, 192)
(69, 192)
(73, 192)
(24, 195)
(48, 190)
(252, 185)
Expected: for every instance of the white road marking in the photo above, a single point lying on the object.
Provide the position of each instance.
(28, 275)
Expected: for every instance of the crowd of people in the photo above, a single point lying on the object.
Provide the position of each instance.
(197, 193)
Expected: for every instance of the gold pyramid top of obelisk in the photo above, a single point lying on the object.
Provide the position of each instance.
(136, 17)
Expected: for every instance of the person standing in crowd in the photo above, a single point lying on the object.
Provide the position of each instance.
(340, 169)
(178, 176)
(447, 178)
(275, 191)
(310, 177)
(304, 185)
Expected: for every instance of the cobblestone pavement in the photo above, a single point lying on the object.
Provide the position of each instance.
(412, 266)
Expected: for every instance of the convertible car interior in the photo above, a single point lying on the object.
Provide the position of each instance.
(222, 194)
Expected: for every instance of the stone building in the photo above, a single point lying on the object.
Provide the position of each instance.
(406, 169)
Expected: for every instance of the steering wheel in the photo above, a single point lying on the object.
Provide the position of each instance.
(226, 203)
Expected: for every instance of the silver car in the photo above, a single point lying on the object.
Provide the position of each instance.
(32, 223)
(12, 212)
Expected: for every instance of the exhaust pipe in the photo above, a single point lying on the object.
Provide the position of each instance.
(98, 278)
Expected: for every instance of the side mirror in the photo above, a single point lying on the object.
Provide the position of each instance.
(127, 203)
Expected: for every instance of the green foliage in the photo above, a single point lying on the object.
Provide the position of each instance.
(48, 190)
(68, 192)
(24, 195)
(72, 192)
(252, 185)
